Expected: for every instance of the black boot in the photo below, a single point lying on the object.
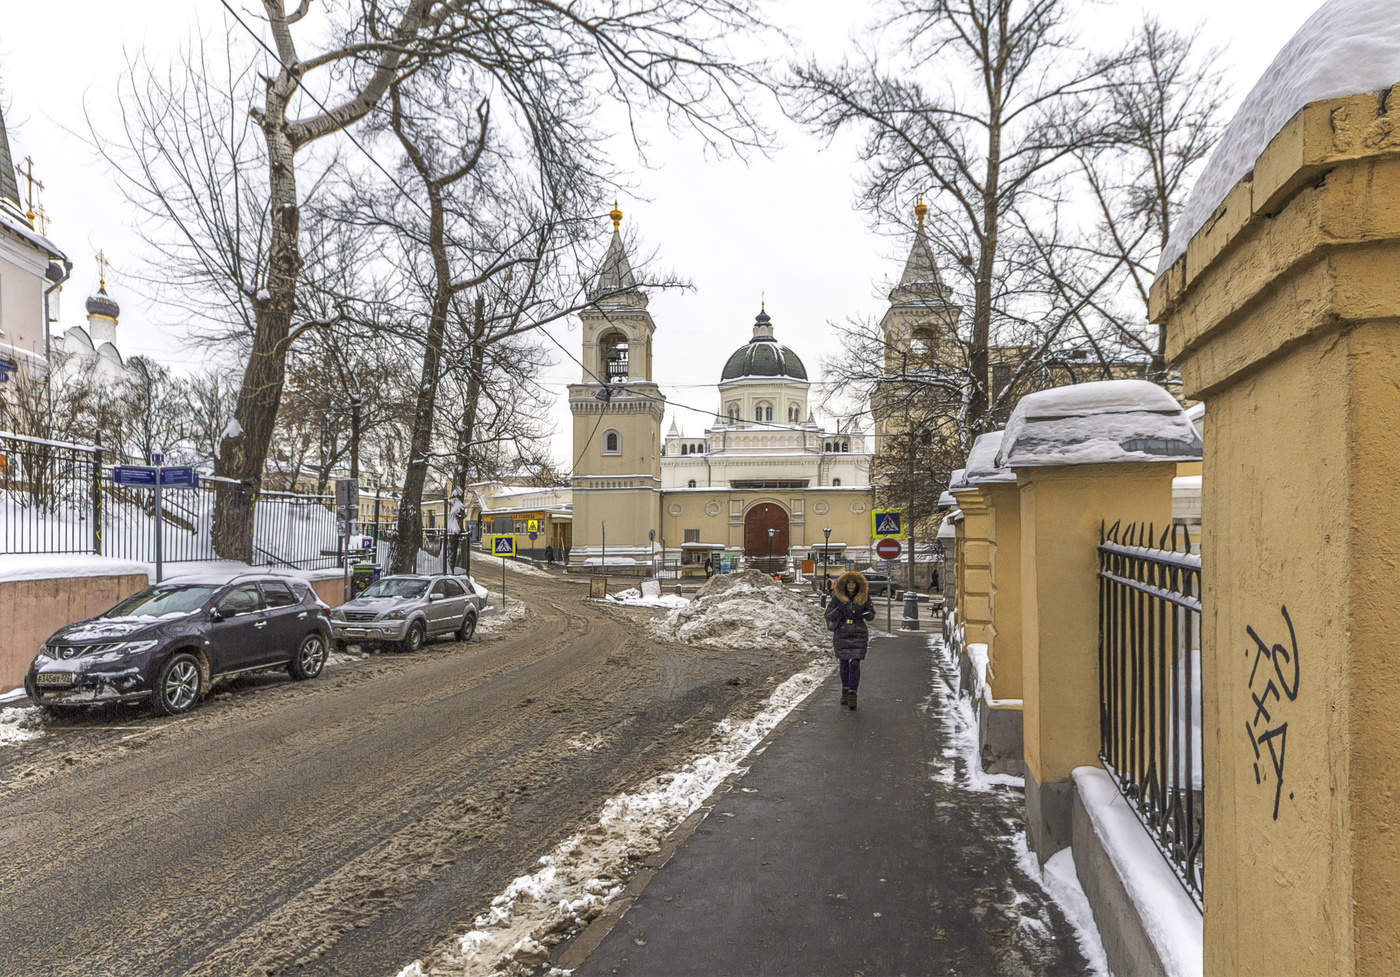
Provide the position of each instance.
(845, 696)
(851, 700)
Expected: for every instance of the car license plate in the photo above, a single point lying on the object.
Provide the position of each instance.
(54, 678)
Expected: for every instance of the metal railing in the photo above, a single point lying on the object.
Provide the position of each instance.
(57, 497)
(1150, 687)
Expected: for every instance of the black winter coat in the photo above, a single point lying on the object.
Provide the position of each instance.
(846, 617)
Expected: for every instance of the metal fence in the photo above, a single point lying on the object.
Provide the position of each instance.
(59, 498)
(1150, 687)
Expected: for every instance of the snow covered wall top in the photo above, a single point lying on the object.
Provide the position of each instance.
(1098, 423)
(982, 463)
(1346, 48)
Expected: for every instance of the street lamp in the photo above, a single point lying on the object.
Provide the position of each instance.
(771, 533)
(826, 555)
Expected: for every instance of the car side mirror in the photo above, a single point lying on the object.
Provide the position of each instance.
(215, 614)
(434, 597)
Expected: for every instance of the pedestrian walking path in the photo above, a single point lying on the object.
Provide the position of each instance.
(853, 846)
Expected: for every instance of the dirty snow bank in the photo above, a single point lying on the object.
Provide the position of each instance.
(494, 619)
(20, 723)
(746, 610)
(578, 878)
(1060, 880)
(481, 562)
(1348, 47)
(61, 566)
(959, 726)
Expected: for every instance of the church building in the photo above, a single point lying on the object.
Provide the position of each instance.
(760, 485)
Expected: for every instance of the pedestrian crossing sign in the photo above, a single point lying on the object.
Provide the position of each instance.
(887, 523)
(502, 545)
(532, 525)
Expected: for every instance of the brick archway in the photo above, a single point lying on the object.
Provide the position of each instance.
(757, 521)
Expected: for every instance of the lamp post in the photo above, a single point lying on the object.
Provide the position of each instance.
(826, 555)
(771, 533)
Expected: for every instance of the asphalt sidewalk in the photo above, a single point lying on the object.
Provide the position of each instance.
(851, 847)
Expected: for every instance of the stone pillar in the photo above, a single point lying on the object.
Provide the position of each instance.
(975, 576)
(1062, 508)
(1004, 523)
(1284, 315)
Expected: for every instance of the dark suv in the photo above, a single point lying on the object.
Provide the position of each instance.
(170, 641)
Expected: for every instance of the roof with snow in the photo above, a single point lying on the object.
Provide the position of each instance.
(1348, 47)
(945, 528)
(1103, 422)
(763, 356)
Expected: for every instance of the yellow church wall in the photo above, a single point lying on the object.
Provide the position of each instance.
(640, 446)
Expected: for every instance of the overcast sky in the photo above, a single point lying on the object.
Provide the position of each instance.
(783, 225)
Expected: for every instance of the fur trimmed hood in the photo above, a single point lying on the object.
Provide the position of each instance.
(838, 589)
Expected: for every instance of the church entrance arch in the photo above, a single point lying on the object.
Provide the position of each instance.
(757, 521)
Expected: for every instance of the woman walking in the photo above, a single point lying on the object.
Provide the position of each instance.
(846, 615)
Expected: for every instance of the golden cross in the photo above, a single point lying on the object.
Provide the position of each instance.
(101, 271)
(29, 176)
(43, 219)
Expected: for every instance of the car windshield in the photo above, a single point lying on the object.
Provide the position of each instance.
(396, 587)
(164, 599)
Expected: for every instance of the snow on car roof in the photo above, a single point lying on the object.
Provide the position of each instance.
(1097, 423)
(1347, 48)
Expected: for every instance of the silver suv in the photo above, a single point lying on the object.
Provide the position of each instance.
(408, 609)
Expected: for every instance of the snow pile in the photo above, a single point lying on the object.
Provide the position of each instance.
(1348, 47)
(1171, 920)
(482, 561)
(746, 610)
(959, 725)
(977, 654)
(578, 878)
(493, 619)
(40, 566)
(982, 464)
(18, 724)
(633, 597)
(1060, 880)
(1096, 423)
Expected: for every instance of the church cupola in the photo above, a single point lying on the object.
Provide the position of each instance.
(102, 309)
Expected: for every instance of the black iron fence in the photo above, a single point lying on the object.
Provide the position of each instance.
(1150, 687)
(57, 497)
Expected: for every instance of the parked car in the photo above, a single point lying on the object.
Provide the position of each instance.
(407, 610)
(170, 642)
(879, 582)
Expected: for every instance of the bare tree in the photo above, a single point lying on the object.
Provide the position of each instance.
(984, 116)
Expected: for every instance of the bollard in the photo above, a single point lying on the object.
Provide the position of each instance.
(910, 621)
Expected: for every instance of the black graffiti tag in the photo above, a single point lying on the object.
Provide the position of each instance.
(1263, 730)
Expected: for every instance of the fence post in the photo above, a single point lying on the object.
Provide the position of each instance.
(1282, 316)
(1082, 454)
(97, 495)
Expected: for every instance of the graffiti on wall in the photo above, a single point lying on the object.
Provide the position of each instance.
(1273, 682)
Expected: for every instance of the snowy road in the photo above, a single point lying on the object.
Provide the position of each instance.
(346, 825)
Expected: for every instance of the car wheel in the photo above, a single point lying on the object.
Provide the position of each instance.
(468, 628)
(417, 635)
(178, 686)
(310, 658)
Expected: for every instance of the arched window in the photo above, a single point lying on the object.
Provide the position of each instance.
(794, 414)
(925, 343)
(612, 443)
(690, 484)
(845, 446)
(763, 412)
(733, 413)
(836, 483)
(612, 354)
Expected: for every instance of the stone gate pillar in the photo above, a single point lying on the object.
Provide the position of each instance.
(1284, 315)
(1084, 455)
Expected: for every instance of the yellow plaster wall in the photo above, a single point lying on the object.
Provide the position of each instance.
(1004, 524)
(1061, 510)
(1286, 311)
(641, 444)
(974, 568)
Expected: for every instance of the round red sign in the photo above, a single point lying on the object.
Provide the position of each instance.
(888, 549)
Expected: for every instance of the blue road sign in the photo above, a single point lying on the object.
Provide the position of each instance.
(181, 476)
(134, 475)
(503, 546)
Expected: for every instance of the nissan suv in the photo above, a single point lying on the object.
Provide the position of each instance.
(170, 642)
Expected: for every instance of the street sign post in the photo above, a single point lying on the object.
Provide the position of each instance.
(155, 477)
(503, 546)
(887, 523)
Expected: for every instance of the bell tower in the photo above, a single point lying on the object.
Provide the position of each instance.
(617, 410)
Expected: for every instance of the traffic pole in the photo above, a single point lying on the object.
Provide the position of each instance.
(889, 592)
(160, 549)
(503, 585)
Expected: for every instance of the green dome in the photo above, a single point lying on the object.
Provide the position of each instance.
(763, 356)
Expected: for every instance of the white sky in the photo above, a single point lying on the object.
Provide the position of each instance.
(785, 225)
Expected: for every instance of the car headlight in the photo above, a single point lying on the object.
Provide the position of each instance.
(337, 614)
(44, 650)
(394, 616)
(132, 647)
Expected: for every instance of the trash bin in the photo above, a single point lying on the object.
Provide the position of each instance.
(361, 576)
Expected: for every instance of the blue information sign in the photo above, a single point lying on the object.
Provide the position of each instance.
(181, 476)
(134, 475)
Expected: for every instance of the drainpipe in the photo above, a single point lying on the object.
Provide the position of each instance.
(48, 353)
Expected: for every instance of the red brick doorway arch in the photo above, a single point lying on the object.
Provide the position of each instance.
(757, 521)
